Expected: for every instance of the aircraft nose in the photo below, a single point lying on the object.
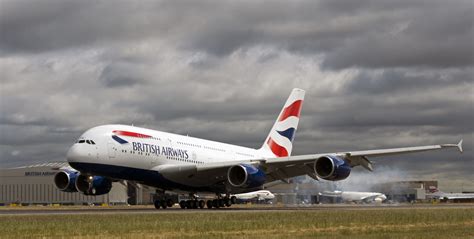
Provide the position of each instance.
(75, 154)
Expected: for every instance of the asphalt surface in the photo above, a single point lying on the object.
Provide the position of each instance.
(38, 210)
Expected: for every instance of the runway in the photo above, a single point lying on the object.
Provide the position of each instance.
(46, 210)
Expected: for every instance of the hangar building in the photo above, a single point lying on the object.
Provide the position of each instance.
(406, 191)
(34, 184)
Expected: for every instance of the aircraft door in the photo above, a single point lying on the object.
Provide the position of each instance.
(111, 149)
(154, 160)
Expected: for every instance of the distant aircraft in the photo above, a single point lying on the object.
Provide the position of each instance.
(436, 194)
(357, 197)
(171, 162)
(259, 196)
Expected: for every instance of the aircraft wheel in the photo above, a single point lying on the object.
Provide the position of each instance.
(209, 204)
(163, 204)
(195, 204)
(221, 203)
(182, 204)
(201, 204)
(169, 203)
(215, 203)
(188, 204)
(233, 200)
(157, 204)
(227, 202)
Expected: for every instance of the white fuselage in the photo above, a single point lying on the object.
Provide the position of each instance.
(348, 196)
(259, 195)
(129, 149)
(450, 196)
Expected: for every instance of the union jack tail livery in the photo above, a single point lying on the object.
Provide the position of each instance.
(279, 141)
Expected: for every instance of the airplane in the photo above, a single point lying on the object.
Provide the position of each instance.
(436, 194)
(357, 197)
(172, 162)
(259, 196)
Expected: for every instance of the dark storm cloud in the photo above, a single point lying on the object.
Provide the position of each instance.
(55, 24)
(121, 74)
(394, 81)
(403, 98)
(371, 34)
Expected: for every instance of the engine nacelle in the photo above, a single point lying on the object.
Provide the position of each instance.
(93, 185)
(245, 176)
(332, 168)
(66, 180)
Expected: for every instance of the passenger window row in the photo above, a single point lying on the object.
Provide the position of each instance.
(185, 160)
(199, 146)
(244, 154)
(212, 148)
(188, 144)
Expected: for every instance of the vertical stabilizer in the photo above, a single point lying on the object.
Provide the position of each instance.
(279, 141)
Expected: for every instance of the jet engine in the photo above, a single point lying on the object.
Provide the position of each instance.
(245, 176)
(93, 185)
(66, 180)
(332, 168)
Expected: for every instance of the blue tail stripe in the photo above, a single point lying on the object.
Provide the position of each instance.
(288, 133)
(118, 139)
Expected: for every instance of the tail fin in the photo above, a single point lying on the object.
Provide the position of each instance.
(279, 141)
(433, 189)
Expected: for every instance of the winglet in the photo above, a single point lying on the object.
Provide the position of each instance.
(460, 146)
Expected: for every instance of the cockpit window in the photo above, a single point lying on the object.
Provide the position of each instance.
(87, 141)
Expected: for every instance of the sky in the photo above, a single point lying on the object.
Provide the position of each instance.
(377, 74)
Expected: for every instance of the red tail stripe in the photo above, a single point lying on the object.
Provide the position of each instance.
(131, 134)
(292, 110)
(277, 149)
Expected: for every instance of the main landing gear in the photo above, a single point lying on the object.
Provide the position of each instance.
(192, 204)
(195, 203)
(162, 201)
(219, 202)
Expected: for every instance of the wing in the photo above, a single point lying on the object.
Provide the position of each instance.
(282, 168)
(279, 169)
